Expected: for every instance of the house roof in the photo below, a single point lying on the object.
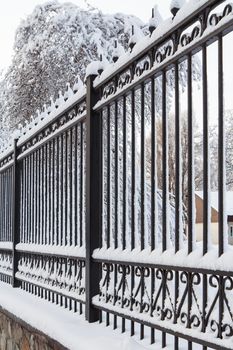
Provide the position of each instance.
(214, 200)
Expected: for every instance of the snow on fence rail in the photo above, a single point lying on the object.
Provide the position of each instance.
(97, 195)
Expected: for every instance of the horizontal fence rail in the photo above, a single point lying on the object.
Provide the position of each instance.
(106, 208)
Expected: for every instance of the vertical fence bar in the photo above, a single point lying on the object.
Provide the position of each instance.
(116, 205)
(15, 215)
(221, 150)
(165, 194)
(178, 193)
(191, 209)
(132, 239)
(221, 179)
(206, 182)
(153, 196)
(124, 151)
(109, 219)
(93, 199)
(142, 194)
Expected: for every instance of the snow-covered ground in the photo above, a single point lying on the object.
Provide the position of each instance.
(69, 329)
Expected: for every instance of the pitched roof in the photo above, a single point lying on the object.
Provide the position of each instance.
(214, 200)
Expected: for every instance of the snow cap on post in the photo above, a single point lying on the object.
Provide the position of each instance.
(155, 20)
(175, 6)
(96, 68)
(16, 134)
(92, 69)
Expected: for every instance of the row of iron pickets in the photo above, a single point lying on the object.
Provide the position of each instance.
(124, 287)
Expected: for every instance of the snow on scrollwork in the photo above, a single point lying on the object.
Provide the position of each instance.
(58, 274)
(5, 263)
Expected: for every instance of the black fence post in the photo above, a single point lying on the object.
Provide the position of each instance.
(93, 198)
(15, 215)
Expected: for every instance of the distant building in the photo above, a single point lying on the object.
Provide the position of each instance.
(214, 215)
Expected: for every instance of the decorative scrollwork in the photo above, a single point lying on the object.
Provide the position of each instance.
(6, 160)
(164, 51)
(151, 291)
(142, 66)
(54, 126)
(6, 263)
(109, 90)
(60, 274)
(215, 18)
(124, 79)
(188, 37)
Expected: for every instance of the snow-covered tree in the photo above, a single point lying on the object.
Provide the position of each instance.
(52, 46)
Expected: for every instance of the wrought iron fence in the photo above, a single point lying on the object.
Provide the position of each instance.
(98, 202)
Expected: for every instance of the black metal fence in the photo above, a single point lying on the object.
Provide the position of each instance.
(98, 206)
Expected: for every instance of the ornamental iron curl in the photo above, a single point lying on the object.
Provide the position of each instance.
(53, 127)
(57, 273)
(215, 18)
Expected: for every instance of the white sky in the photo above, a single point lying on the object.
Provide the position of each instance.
(12, 11)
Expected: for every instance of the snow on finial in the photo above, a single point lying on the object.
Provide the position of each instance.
(60, 100)
(44, 112)
(51, 106)
(135, 37)
(20, 129)
(68, 93)
(36, 120)
(16, 134)
(117, 51)
(155, 20)
(175, 6)
(39, 116)
(78, 84)
(57, 102)
(101, 67)
(132, 40)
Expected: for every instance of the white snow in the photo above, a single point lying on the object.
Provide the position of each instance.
(69, 329)
(41, 125)
(177, 4)
(78, 252)
(45, 139)
(168, 324)
(6, 152)
(156, 19)
(92, 68)
(6, 245)
(196, 259)
(163, 28)
(145, 43)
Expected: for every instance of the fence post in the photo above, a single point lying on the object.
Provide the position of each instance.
(15, 215)
(93, 198)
